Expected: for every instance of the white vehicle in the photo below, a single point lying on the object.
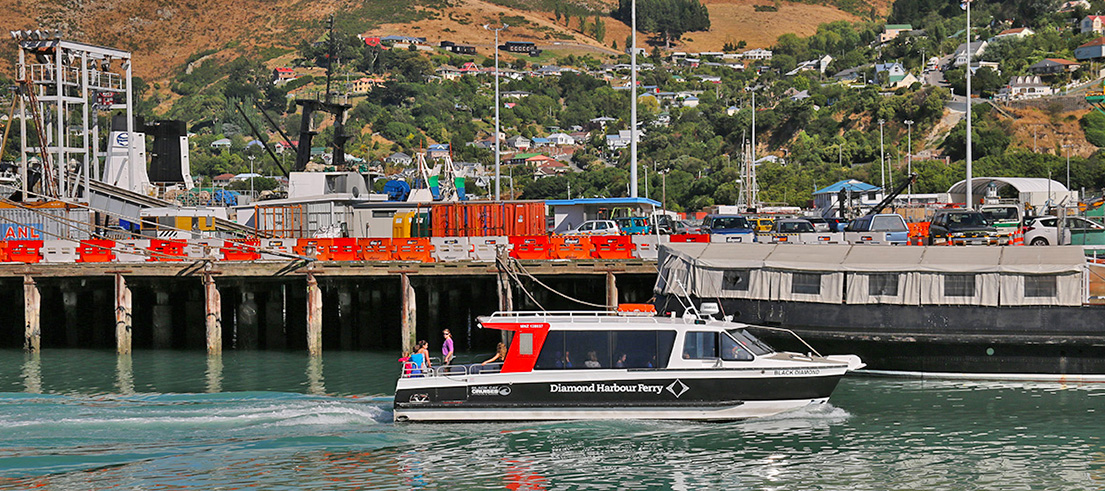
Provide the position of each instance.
(596, 227)
(1041, 231)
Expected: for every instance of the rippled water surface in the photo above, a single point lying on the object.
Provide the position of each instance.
(88, 420)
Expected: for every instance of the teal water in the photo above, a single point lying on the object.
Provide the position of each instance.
(75, 419)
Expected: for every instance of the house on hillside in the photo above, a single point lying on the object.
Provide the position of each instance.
(519, 142)
(221, 144)
(757, 54)
(820, 64)
(561, 139)
(399, 158)
(1091, 51)
(622, 139)
(282, 75)
(1026, 87)
(364, 84)
(514, 94)
(963, 54)
(1093, 23)
(222, 179)
(1049, 66)
(548, 167)
(1073, 4)
(1017, 33)
(438, 151)
(892, 31)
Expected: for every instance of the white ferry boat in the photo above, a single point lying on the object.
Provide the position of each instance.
(617, 365)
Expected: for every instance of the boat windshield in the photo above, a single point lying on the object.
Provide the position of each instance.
(759, 348)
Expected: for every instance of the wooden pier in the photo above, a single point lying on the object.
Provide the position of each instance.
(345, 304)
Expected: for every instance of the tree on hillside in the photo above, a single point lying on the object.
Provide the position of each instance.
(598, 29)
(668, 18)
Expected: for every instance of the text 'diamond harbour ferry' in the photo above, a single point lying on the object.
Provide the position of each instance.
(598, 365)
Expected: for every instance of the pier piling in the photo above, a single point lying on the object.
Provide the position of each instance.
(611, 291)
(314, 316)
(407, 318)
(32, 299)
(123, 316)
(213, 315)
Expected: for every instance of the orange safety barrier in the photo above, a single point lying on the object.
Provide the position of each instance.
(241, 250)
(690, 237)
(4, 252)
(612, 247)
(571, 247)
(374, 249)
(418, 249)
(1017, 239)
(530, 247)
(96, 251)
(320, 248)
(343, 249)
(167, 250)
(25, 251)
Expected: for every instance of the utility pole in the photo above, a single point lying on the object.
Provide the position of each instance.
(497, 158)
(970, 191)
(882, 157)
(633, 102)
(909, 161)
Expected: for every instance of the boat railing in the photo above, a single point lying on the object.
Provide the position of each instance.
(590, 314)
(788, 331)
(411, 370)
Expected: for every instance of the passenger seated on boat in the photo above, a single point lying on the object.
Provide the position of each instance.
(406, 361)
(500, 356)
(414, 366)
(564, 361)
(621, 361)
(592, 360)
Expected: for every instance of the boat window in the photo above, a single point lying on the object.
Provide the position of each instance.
(1040, 286)
(758, 348)
(571, 349)
(700, 345)
(882, 284)
(736, 280)
(808, 283)
(732, 350)
(959, 285)
(525, 346)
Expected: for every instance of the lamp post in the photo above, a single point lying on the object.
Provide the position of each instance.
(882, 157)
(251, 176)
(909, 159)
(633, 101)
(1067, 148)
(970, 192)
(496, 30)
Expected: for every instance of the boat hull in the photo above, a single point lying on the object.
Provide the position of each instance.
(615, 394)
(1024, 343)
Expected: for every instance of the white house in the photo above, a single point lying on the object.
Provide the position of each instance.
(622, 139)
(560, 139)
(518, 141)
(1026, 87)
(1093, 23)
(1018, 33)
(962, 54)
(757, 54)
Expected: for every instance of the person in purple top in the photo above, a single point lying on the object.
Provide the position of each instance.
(447, 348)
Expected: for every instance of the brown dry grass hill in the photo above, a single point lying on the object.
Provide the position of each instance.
(162, 34)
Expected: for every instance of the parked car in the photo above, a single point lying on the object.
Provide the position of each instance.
(819, 224)
(793, 226)
(888, 228)
(1040, 231)
(726, 224)
(595, 227)
(836, 224)
(960, 226)
(634, 225)
(763, 224)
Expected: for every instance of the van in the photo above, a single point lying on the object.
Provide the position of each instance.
(888, 228)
